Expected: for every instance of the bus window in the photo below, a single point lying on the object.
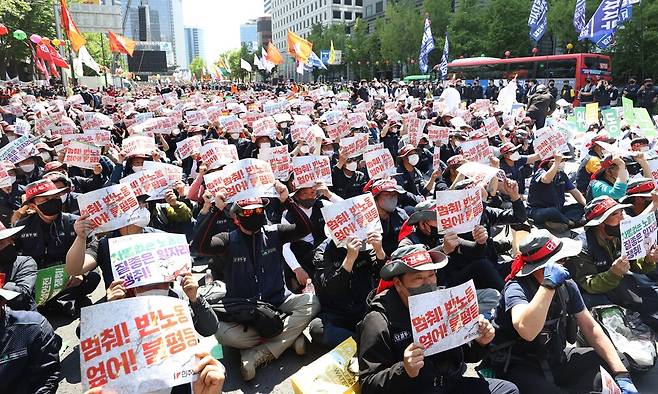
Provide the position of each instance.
(561, 69)
(521, 70)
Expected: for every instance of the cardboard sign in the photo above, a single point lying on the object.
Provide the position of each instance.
(638, 235)
(96, 120)
(480, 174)
(279, 159)
(352, 218)
(629, 114)
(379, 163)
(644, 122)
(611, 122)
(354, 146)
(357, 120)
(143, 259)
(174, 172)
(154, 182)
(265, 127)
(215, 154)
(592, 113)
(138, 145)
(309, 170)
(230, 123)
(444, 319)
(137, 345)
(82, 155)
(608, 384)
(338, 130)
(476, 150)
(549, 143)
(196, 118)
(18, 150)
(438, 135)
(245, 179)
(491, 126)
(110, 208)
(50, 282)
(458, 211)
(330, 373)
(415, 128)
(188, 147)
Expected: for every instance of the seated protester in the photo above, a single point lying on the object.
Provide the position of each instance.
(604, 274)
(134, 163)
(261, 141)
(172, 216)
(81, 184)
(83, 257)
(411, 179)
(425, 157)
(537, 315)
(10, 196)
(253, 270)
(327, 149)
(591, 162)
(513, 163)
(611, 179)
(70, 198)
(546, 197)
(28, 170)
(344, 277)
(390, 136)
(30, 351)
(386, 193)
(638, 195)
(47, 237)
(451, 175)
(390, 362)
(638, 144)
(17, 273)
(299, 254)
(347, 181)
(242, 145)
(453, 148)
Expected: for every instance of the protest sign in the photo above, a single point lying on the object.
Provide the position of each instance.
(614, 149)
(481, 106)
(265, 127)
(458, 211)
(436, 159)
(592, 113)
(50, 281)
(247, 178)
(153, 182)
(480, 174)
(189, 146)
(302, 132)
(14, 109)
(250, 117)
(82, 155)
(357, 120)
(611, 122)
(608, 384)
(393, 115)
(580, 119)
(96, 120)
(550, 142)
(330, 373)
(143, 259)
(137, 345)
(491, 126)
(377, 146)
(160, 125)
(352, 218)
(214, 154)
(22, 127)
(142, 117)
(174, 172)
(354, 146)
(644, 122)
(438, 135)
(476, 150)
(338, 130)
(279, 159)
(138, 145)
(5, 179)
(18, 150)
(653, 165)
(443, 319)
(379, 163)
(415, 128)
(196, 118)
(93, 137)
(638, 235)
(109, 208)
(629, 114)
(230, 123)
(75, 99)
(331, 117)
(309, 170)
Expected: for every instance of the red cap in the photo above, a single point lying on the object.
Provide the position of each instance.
(41, 188)
(52, 166)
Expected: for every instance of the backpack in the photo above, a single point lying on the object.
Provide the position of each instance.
(259, 315)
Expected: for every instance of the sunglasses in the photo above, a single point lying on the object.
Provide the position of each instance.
(250, 212)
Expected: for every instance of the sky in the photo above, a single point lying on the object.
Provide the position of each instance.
(220, 20)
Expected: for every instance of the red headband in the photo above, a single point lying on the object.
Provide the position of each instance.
(520, 260)
(641, 188)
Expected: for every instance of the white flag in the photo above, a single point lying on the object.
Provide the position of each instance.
(266, 63)
(258, 62)
(86, 58)
(245, 65)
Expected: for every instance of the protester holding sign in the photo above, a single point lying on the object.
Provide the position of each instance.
(591, 162)
(389, 359)
(17, 273)
(410, 178)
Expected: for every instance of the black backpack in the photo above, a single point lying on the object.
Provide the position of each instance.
(261, 316)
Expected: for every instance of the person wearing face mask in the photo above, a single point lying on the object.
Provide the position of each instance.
(513, 163)
(453, 146)
(17, 273)
(30, 350)
(81, 184)
(347, 181)
(591, 162)
(261, 141)
(641, 145)
(10, 195)
(389, 360)
(387, 195)
(28, 171)
(425, 155)
(647, 96)
(604, 274)
(411, 179)
(45, 152)
(638, 195)
(234, 137)
(390, 136)
(540, 311)
(133, 163)
(253, 269)
(47, 236)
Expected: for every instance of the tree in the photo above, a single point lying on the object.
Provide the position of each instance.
(634, 51)
(197, 66)
(400, 33)
(506, 29)
(467, 29)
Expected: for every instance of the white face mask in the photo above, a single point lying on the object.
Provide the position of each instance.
(327, 152)
(141, 218)
(351, 166)
(235, 136)
(12, 179)
(152, 292)
(413, 159)
(63, 197)
(137, 168)
(304, 149)
(45, 156)
(175, 132)
(27, 167)
(264, 145)
(515, 156)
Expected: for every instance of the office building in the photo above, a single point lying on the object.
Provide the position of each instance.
(193, 43)
(249, 34)
(267, 7)
(264, 30)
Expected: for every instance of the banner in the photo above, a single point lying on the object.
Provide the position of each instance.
(188, 147)
(143, 259)
(82, 155)
(50, 282)
(638, 235)
(491, 126)
(265, 127)
(352, 218)
(629, 114)
(458, 211)
(247, 178)
(354, 146)
(549, 143)
(154, 182)
(438, 135)
(279, 159)
(444, 319)
(18, 150)
(109, 208)
(379, 163)
(138, 145)
(309, 170)
(579, 112)
(611, 122)
(476, 150)
(215, 154)
(137, 345)
(426, 46)
(644, 122)
(538, 19)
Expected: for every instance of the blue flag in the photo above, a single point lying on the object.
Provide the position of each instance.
(579, 15)
(426, 46)
(538, 20)
(314, 61)
(606, 20)
(443, 66)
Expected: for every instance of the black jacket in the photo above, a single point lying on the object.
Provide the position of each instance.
(21, 276)
(384, 334)
(46, 243)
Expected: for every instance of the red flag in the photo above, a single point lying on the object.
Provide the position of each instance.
(75, 38)
(121, 44)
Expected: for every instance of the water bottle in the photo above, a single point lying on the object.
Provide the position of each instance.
(309, 289)
(208, 277)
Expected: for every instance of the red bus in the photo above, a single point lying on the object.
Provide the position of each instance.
(574, 68)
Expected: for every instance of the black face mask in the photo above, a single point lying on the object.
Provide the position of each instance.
(252, 223)
(425, 288)
(612, 231)
(8, 255)
(51, 207)
(306, 203)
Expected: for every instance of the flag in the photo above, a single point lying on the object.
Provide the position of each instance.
(332, 54)
(47, 53)
(604, 23)
(121, 44)
(245, 65)
(579, 15)
(299, 47)
(538, 20)
(265, 62)
(300, 67)
(75, 37)
(258, 63)
(314, 61)
(273, 54)
(443, 66)
(426, 46)
(86, 58)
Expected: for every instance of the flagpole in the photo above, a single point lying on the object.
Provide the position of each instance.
(104, 60)
(58, 29)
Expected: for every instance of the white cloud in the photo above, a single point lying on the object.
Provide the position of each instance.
(220, 20)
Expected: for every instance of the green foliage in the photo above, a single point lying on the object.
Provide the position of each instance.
(634, 53)
(400, 32)
(196, 67)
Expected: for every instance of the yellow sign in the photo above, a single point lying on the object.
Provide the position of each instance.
(592, 113)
